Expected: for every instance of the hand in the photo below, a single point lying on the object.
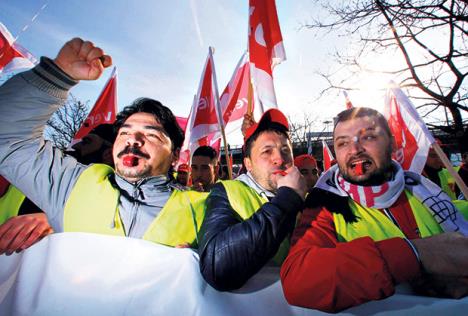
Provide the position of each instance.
(246, 123)
(81, 60)
(20, 232)
(444, 254)
(294, 180)
(198, 186)
(441, 286)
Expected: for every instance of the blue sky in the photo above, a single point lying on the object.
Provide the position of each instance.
(159, 47)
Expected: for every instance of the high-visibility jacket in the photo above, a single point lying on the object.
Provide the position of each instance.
(447, 182)
(245, 201)
(93, 207)
(373, 223)
(10, 203)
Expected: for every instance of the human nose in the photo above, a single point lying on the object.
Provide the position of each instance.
(277, 158)
(135, 139)
(356, 146)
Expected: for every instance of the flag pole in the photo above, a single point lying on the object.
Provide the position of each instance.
(461, 184)
(219, 113)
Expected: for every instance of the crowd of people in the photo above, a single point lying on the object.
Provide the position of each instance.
(342, 237)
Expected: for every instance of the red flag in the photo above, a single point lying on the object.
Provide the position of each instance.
(327, 156)
(182, 121)
(412, 137)
(234, 100)
(204, 116)
(12, 55)
(265, 49)
(104, 110)
(203, 123)
(348, 103)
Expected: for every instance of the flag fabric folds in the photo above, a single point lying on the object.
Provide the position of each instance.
(12, 55)
(235, 97)
(327, 156)
(412, 137)
(266, 50)
(202, 125)
(104, 110)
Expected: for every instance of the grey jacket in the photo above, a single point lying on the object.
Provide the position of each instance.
(44, 173)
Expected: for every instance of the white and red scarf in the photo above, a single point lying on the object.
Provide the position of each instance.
(383, 196)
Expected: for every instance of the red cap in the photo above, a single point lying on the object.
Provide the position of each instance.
(299, 160)
(183, 168)
(270, 116)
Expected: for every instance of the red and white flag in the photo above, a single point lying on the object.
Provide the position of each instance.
(266, 50)
(234, 100)
(12, 55)
(412, 137)
(104, 110)
(327, 156)
(348, 103)
(203, 123)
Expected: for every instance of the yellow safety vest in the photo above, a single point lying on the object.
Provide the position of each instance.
(93, 207)
(447, 182)
(245, 201)
(10, 203)
(373, 223)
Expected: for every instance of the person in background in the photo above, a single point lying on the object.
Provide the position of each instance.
(434, 170)
(204, 168)
(307, 165)
(183, 175)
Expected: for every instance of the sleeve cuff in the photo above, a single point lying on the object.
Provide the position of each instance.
(48, 77)
(401, 260)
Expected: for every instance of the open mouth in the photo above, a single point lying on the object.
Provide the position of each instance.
(130, 161)
(360, 166)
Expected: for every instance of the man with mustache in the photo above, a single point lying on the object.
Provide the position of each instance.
(369, 226)
(138, 199)
(248, 220)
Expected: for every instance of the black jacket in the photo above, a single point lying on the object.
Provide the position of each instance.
(233, 250)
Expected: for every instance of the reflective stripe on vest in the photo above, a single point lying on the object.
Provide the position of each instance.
(245, 201)
(93, 207)
(10, 203)
(373, 223)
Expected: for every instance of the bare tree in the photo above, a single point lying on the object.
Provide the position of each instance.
(63, 125)
(429, 35)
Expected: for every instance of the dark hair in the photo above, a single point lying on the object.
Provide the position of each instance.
(206, 151)
(161, 113)
(353, 113)
(268, 127)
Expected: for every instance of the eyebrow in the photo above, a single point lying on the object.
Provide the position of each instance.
(370, 128)
(150, 127)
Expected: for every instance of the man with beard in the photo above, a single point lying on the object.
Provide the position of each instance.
(204, 168)
(369, 226)
(138, 199)
(248, 219)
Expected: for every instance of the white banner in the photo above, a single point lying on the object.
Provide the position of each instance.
(87, 274)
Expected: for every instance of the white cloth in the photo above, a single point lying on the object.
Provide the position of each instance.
(87, 274)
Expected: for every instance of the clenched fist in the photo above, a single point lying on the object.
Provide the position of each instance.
(81, 60)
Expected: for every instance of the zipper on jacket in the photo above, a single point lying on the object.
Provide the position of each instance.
(389, 214)
(134, 211)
